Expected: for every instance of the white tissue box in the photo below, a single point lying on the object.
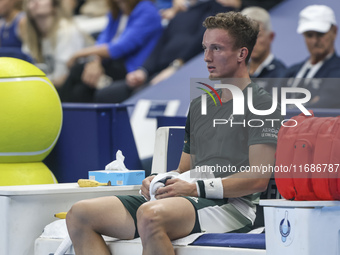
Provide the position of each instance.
(118, 178)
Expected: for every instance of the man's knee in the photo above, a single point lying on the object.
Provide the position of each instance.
(77, 215)
(150, 218)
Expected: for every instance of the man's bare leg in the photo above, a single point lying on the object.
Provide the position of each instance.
(88, 219)
(164, 220)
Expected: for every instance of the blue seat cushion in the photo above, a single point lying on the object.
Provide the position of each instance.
(237, 240)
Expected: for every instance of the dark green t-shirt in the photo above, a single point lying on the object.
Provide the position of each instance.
(228, 144)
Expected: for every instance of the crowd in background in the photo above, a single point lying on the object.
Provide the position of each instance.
(145, 42)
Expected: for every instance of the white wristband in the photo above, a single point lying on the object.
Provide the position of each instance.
(198, 190)
(213, 188)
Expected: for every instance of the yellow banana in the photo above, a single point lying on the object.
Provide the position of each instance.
(61, 215)
(91, 183)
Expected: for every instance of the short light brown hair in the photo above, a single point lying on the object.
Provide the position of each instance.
(242, 29)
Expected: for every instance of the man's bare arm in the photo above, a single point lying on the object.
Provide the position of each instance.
(246, 183)
(237, 185)
(184, 163)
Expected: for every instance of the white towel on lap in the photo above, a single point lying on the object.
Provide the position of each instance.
(159, 181)
(189, 176)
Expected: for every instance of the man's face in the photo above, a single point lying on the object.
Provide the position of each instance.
(219, 54)
(262, 46)
(320, 44)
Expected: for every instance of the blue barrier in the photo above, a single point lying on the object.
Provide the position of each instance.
(90, 137)
(170, 121)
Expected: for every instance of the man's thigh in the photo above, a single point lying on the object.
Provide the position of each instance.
(108, 216)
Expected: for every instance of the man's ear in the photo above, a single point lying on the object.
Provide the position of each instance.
(271, 36)
(243, 53)
(335, 29)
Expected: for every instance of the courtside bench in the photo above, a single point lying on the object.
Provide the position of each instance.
(168, 146)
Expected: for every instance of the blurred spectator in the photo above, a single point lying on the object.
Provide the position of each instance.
(163, 4)
(181, 41)
(132, 32)
(184, 5)
(177, 6)
(90, 8)
(69, 6)
(266, 4)
(79, 4)
(318, 26)
(93, 8)
(51, 37)
(262, 63)
(12, 22)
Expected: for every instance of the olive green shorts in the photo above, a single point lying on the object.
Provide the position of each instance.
(132, 203)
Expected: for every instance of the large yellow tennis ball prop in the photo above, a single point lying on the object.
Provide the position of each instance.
(30, 119)
(25, 174)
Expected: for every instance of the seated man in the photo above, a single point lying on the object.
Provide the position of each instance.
(317, 23)
(220, 204)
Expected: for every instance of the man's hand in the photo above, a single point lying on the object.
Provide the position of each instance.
(136, 78)
(145, 189)
(176, 188)
(92, 72)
